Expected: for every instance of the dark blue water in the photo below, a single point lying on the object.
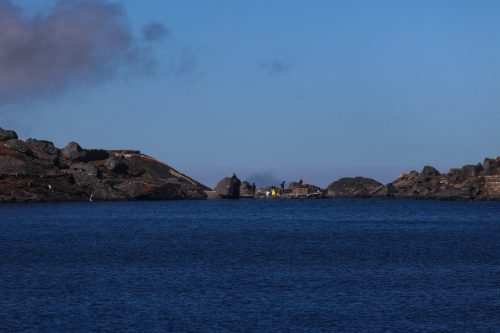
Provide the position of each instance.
(251, 265)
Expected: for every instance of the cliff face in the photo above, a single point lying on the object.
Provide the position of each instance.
(35, 170)
(471, 182)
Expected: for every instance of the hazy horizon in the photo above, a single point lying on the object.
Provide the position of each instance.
(282, 90)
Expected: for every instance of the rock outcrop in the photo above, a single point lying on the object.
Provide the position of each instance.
(470, 182)
(246, 190)
(229, 187)
(6, 135)
(355, 187)
(35, 170)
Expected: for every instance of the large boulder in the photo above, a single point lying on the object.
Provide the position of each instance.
(429, 172)
(44, 150)
(491, 167)
(6, 135)
(74, 152)
(229, 187)
(352, 187)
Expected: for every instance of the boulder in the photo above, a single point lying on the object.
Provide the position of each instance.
(429, 172)
(19, 146)
(116, 164)
(44, 150)
(352, 187)
(74, 152)
(490, 167)
(246, 190)
(229, 187)
(6, 135)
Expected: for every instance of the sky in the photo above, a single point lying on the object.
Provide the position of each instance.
(271, 90)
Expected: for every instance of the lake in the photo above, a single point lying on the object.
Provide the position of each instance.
(250, 266)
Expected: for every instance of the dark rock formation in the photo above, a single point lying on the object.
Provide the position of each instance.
(384, 191)
(470, 182)
(429, 172)
(36, 170)
(116, 164)
(229, 187)
(246, 190)
(19, 146)
(356, 187)
(73, 152)
(6, 135)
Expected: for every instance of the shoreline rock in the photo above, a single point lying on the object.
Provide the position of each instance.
(229, 188)
(36, 170)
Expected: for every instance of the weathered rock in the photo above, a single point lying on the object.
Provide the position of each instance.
(135, 165)
(429, 172)
(74, 152)
(6, 135)
(12, 165)
(467, 171)
(44, 151)
(490, 167)
(116, 164)
(246, 190)
(384, 191)
(102, 192)
(20, 146)
(229, 187)
(355, 187)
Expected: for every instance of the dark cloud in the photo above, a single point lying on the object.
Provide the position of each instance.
(76, 42)
(275, 67)
(154, 31)
(263, 179)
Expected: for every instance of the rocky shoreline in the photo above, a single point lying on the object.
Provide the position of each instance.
(37, 171)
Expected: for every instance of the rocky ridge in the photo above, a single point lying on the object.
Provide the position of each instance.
(36, 170)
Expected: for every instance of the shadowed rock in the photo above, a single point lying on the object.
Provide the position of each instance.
(246, 190)
(6, 135)
(352, 187)
(19, 146)
(229, 187)
(116, 164)
(73, 152)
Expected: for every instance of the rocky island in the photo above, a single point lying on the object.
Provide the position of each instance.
(36, 170)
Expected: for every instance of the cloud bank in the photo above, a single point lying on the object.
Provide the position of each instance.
(76, 42)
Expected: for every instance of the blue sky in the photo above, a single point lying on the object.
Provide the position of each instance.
(295, 89)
